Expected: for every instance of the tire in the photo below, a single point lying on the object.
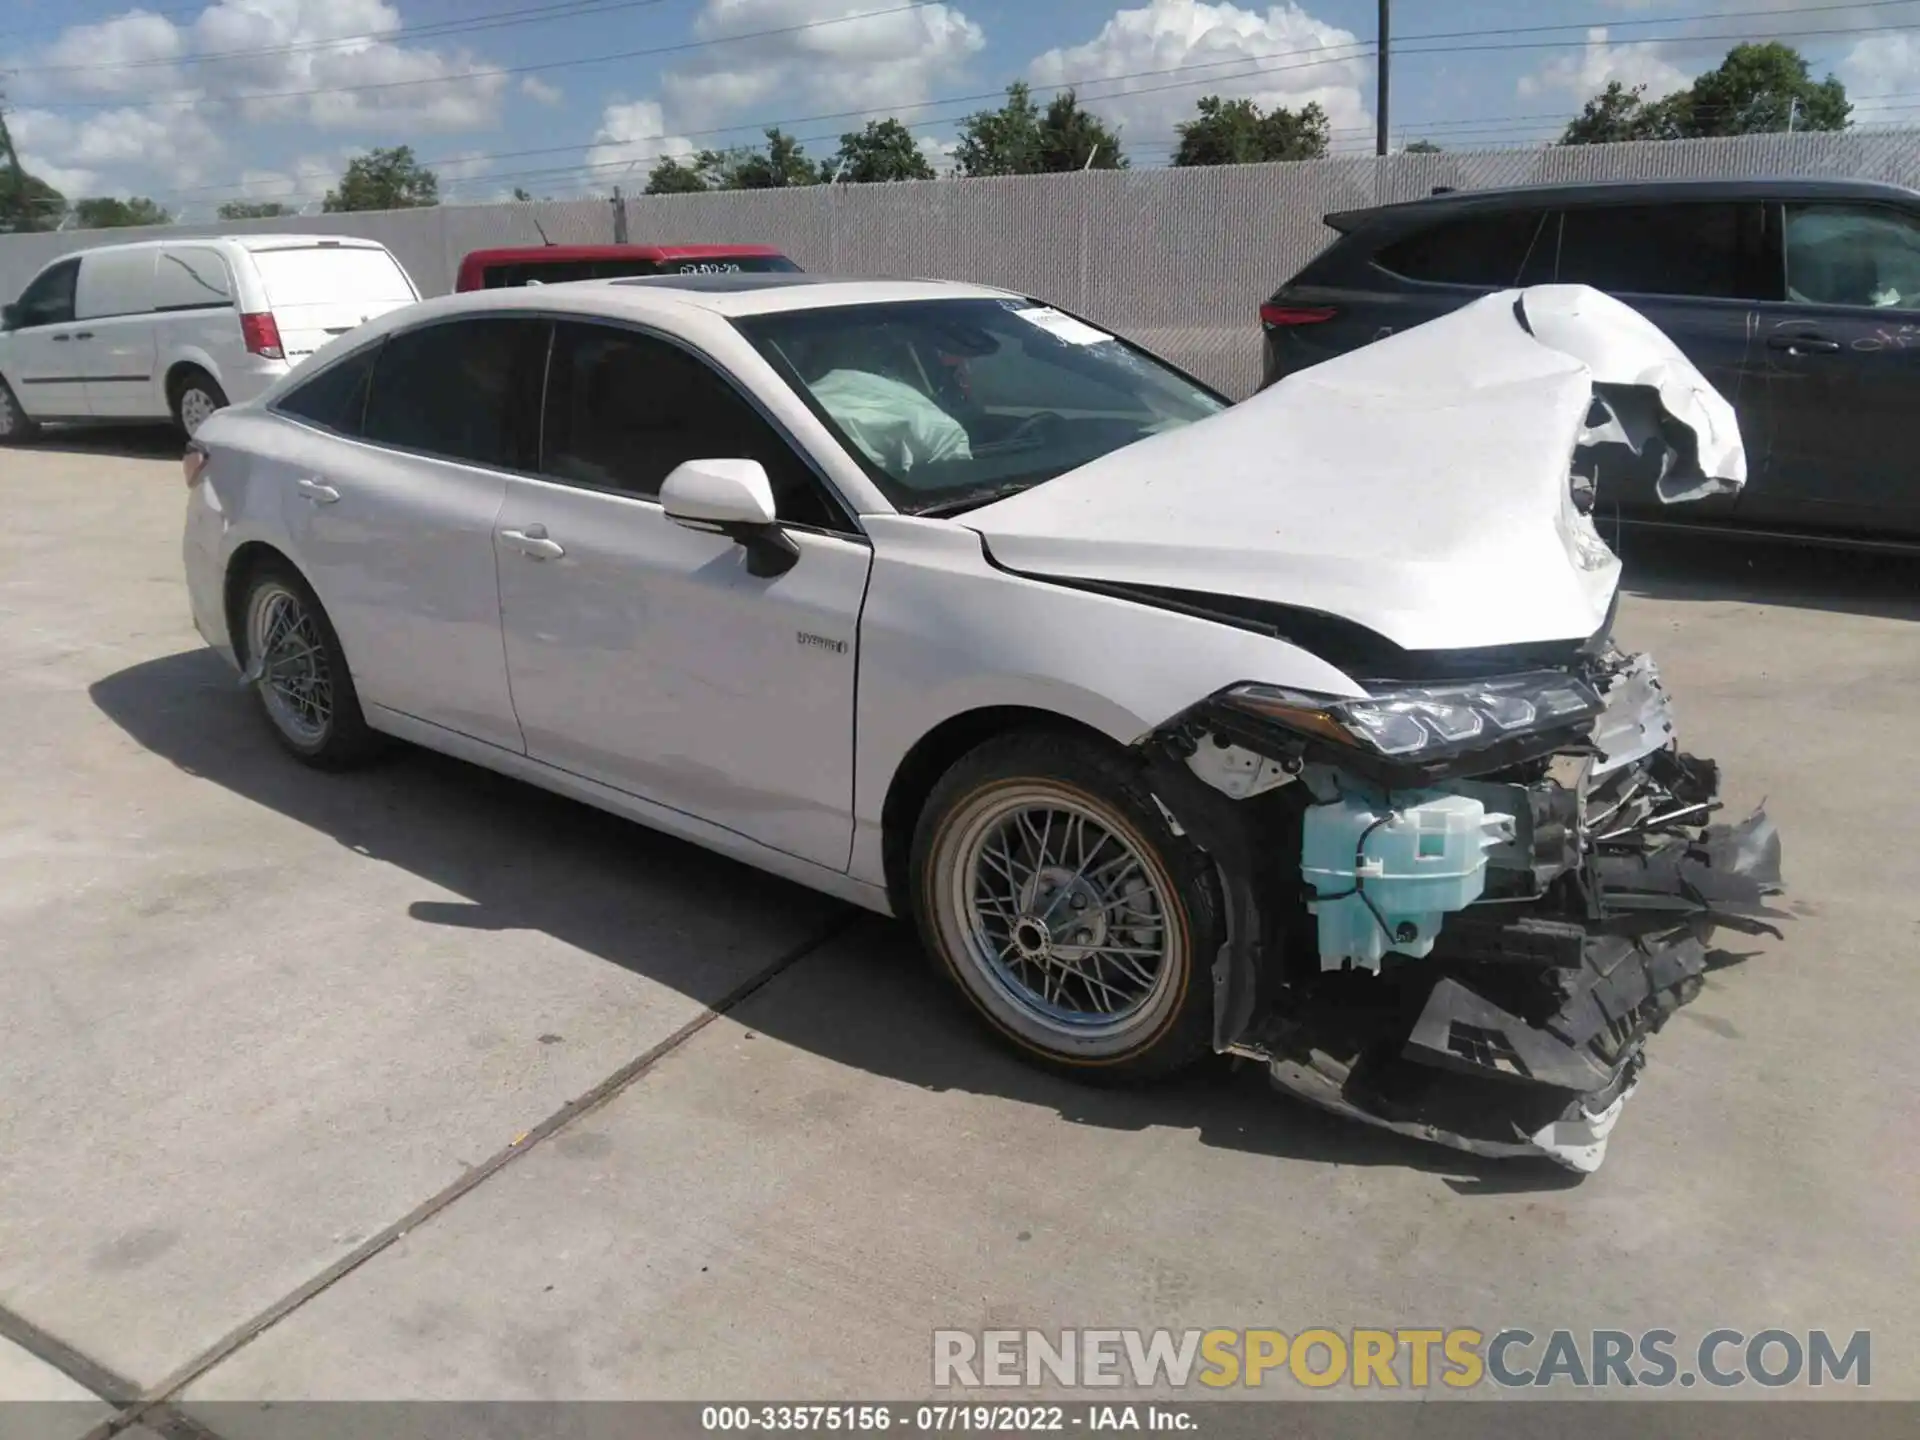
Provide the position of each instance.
(307, 698)
(1053, 982)
(16, 426)
(196, 395)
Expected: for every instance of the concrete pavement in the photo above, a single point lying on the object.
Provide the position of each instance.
(259, 1022)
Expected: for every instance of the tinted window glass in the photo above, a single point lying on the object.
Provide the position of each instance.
(1852, 255)
(467, 390)
(1701, 250)
(542, 272)
(49, 299)
(730, 265)
(1475, 250)
(623, 409)
(336, 396)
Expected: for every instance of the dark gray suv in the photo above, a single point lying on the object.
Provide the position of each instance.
(1799, 300)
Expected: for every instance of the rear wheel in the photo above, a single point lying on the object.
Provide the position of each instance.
(1054, 894)
(16, 426)
(196, 395)
(301, 677)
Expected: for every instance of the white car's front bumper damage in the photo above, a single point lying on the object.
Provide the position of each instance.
(1522, 1029)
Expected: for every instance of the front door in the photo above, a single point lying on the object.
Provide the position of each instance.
(643, 655)
(1843, 354)
(393, 518)
(49, 364)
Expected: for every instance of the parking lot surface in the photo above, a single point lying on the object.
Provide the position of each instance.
(289, 1060)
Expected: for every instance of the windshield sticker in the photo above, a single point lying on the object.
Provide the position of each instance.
(1063, 327)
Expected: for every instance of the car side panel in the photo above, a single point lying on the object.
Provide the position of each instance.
(944, 632)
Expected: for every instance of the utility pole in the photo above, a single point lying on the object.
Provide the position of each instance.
(1380, 86)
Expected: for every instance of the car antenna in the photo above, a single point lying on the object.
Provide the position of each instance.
(541, 228)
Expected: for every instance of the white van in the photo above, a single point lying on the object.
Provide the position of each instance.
(180, 328)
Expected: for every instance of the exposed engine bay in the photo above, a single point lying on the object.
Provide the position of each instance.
(1472, 958)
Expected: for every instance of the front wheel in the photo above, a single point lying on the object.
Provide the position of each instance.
(299, 672)
(1055, 895)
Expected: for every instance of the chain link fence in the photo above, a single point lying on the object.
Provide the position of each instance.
(1177, 259)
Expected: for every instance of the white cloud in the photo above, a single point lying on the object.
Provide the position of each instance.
(939, 153)
(129, 53)
(301, 183)
(159, 148)
(1882, 65)
(534, 88)
(1263, 57)
(875, 63)
(632, 133)
(1598, 63)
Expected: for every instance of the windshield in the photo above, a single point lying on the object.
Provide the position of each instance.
(950, 403)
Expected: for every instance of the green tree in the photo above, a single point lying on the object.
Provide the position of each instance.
(1423, 147)
(1073, 138)
(1755, 89)
(885, 150)
(253, 209)
(107, 212)
(26, 201)
(384, 180)
(1238, 132)
(521, 196)
(672, 176)
(782, 163)
(1004, 141)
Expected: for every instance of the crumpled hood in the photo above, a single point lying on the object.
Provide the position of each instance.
(1418, 487)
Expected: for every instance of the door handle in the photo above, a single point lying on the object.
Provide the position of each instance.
(83, 334)
(63, 336)
(1803, 344)
(318, 493)
(533, 543)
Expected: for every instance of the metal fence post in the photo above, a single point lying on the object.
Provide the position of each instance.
(619, 217)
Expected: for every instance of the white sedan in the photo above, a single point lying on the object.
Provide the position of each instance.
(1291, 729)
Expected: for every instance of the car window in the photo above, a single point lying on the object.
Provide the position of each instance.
(1853, 255)
(191, 278)
(465, 390)
(624, 409)
(946, 403)
(1698, 249)
(331, 275)
(1485, 250)
(336, 398)
(49, 299)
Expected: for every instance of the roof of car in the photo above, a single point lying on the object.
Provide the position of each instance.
(1594, 192)
(263, 241)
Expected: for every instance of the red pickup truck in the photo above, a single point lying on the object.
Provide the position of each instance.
(554, 264)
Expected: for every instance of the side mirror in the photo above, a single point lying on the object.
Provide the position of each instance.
(732, 498)
(9, 317)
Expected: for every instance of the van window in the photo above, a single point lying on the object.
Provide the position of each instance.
(49, 299)
(114, 282)
(1853, 255)
(1709, 250)
(191, 277)
(558, 272)
(1474, 250)
(330, 274)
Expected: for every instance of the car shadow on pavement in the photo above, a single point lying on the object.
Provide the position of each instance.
(524, 859)
(117, 442)
(1703, 565)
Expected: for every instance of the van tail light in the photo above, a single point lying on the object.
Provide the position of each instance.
(194, 463)
(1271, 314)
(262, 335)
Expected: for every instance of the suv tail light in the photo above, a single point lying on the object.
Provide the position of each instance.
(1271, 314)
(194, 463)
(262, 335)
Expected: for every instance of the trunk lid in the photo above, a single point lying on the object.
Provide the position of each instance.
(319, 292)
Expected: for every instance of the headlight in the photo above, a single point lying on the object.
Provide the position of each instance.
(1429, 720)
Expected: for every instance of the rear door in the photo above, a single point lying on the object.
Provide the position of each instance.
(1366, 289)
(1843, 359)
(45, 363)
(318, 292)
(114, 333)
(392, 514)
(644, 655)
(1698, 270)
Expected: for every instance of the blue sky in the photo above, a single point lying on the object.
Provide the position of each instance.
(197, 103)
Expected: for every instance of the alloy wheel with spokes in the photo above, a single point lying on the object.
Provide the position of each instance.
(295, 678)
(1064, 908)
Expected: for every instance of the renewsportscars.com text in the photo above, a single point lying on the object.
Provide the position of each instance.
(1458, 1358)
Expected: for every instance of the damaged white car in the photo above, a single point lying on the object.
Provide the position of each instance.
(1292, 729)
